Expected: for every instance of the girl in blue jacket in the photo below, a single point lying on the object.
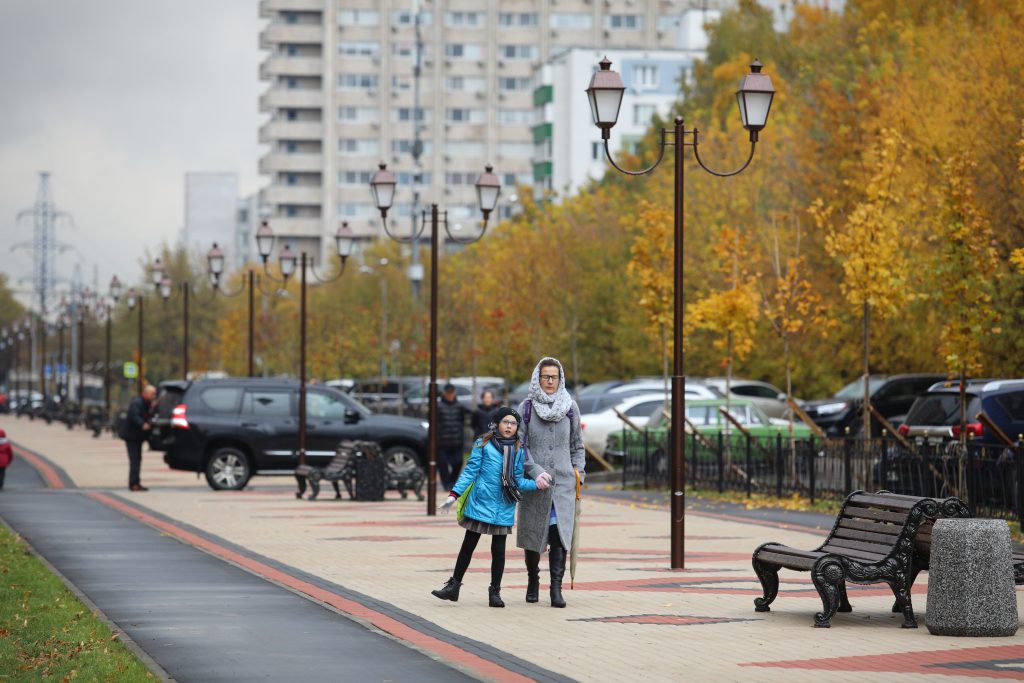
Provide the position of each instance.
(489, 509)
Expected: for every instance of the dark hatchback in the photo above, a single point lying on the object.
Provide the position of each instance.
(891, 396)
(231, 429)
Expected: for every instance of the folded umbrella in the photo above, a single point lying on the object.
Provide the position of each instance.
(574, 550)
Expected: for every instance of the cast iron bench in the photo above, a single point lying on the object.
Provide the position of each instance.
(1018, 568)
(877, 537)
(345, 466)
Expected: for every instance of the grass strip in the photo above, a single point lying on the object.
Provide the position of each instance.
(47, 633)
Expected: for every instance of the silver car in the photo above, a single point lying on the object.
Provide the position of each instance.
(768, 397)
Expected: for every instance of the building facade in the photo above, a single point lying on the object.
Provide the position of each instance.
(211, 207)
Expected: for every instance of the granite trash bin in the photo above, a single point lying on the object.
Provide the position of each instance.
(970, 579)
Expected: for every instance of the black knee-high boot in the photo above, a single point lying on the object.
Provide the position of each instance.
(533, 575)
(556, 563)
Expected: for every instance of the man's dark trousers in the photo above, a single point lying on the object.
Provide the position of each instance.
(449, 464)
(134, 461)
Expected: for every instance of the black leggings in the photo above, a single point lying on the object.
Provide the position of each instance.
(497, 556)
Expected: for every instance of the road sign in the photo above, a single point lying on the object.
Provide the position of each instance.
(131, 370)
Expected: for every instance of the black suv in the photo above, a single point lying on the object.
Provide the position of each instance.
(231, 429)
(935, 416)
(891, 395)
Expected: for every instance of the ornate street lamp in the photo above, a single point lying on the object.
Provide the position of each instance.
(488, 188)
(215, 268)
(132, 298)
(755, 98)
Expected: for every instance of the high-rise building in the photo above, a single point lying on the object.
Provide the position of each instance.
(211, 207)
(343, 96)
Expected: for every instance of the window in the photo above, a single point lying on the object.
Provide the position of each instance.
(756, 391)
(267, 403)
(407, 18)
(513, 83)
(517, 19)
(642, 114)
(404, 146)
(359, 49)
(407, 178)
(464, 148)
(324, 406)
(221, 399)
(361, 178)
(668, 23)
(644, 408)
(401, 82)
(645, 76)
(1013, 404)
(358, 17)
(512, 179)
(517, 51)
(406, 114)
(466, 19)
(460, 178)
(357, 81)
(519, 150)
(464, 115)
(357, 113)
(357, 146)
(465, 84)
(408, 49)
(596, 151)
(626, 21)
(698, 415)
(349, 210)
(571, 20)
(516, 116)
(464, 50)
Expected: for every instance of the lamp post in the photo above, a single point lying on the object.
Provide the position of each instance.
(215, 267)
(59, 388)
(18, 333)
(133, 299)
(115, 295)
(166, 287)
(488, 187)
(755, 99)
(83, 308)
(287, 262)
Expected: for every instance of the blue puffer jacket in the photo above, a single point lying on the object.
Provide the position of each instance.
(486, 503)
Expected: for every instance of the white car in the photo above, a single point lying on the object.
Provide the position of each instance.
(768, 397)
(638, 408)
(694, 388)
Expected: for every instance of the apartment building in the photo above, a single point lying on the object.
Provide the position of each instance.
(342, 97)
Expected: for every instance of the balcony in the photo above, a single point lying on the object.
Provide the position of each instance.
(282, 65)
(293, 194)
(279, 161)
(297, 227)
(291, 98)
(269, 8)
(291, 130)
(298, 34)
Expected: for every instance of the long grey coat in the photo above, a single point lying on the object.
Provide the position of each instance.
(556, 448)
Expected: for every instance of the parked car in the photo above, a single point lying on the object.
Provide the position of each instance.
(232, 429)
(768, 397)
(386, 394)
(891, 395)
(706, 416)
(935, 415)
(638, 408)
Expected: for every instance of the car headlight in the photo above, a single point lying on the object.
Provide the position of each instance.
(425, 425)
(832, 408)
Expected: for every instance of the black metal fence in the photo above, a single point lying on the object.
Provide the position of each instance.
(990, 479)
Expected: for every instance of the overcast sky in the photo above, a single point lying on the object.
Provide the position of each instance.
(118, 99)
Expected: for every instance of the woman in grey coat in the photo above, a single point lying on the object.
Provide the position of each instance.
(551, 430)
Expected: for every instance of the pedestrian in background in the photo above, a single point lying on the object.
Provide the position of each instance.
(552, 436)
(134, 430)
(6, 456)
(494, 467)
(451, 425)
(483, 416)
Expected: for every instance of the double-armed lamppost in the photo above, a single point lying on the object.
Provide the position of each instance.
(755, 99)
(115, 296)
(59, 368)
(215, 268)
(133, 299)
(488, 188)
(165, 286)
(287, 263)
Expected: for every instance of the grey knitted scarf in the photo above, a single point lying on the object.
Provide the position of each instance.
(549, 407)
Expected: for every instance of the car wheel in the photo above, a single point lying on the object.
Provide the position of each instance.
(228, 469)
(399, 456)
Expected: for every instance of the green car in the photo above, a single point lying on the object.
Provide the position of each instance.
(706, 416)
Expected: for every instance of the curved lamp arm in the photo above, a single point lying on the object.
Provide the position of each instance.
(696, 155)
(401, 240)
(325, 280)
(270, 276)
(661, 155)
(463, 240)
(217, 289)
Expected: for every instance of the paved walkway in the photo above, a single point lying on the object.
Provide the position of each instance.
(629, 616)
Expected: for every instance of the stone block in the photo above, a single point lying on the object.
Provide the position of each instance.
(970, 580)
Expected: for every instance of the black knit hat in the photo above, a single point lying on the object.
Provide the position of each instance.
(501, 413)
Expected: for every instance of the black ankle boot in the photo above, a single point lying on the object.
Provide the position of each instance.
(450, 590)
(533, 575)
(556, 559)
(494, 596)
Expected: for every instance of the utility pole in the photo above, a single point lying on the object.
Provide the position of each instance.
(415, 267)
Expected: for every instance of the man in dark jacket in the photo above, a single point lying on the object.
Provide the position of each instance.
(136, 425)
(483, 416)
(451, 420)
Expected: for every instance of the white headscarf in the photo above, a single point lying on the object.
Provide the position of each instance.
(549, 407)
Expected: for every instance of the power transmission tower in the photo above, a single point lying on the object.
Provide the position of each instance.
(44, 243)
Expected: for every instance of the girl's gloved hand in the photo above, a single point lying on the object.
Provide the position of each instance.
(447, 506)
(543, 481)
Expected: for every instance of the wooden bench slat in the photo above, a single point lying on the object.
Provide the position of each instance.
(870, 557)
(787, 561)
(788, 550)
(857, 535)
(879, 548)
(874, 513)
(874, 527)
(889, 502)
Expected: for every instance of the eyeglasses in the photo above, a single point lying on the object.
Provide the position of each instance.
(549, 378)
(510, 423)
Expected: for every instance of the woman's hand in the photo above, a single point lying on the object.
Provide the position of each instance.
(543, 481)
(447, 506)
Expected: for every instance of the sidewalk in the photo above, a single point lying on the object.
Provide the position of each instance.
(629, 616)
